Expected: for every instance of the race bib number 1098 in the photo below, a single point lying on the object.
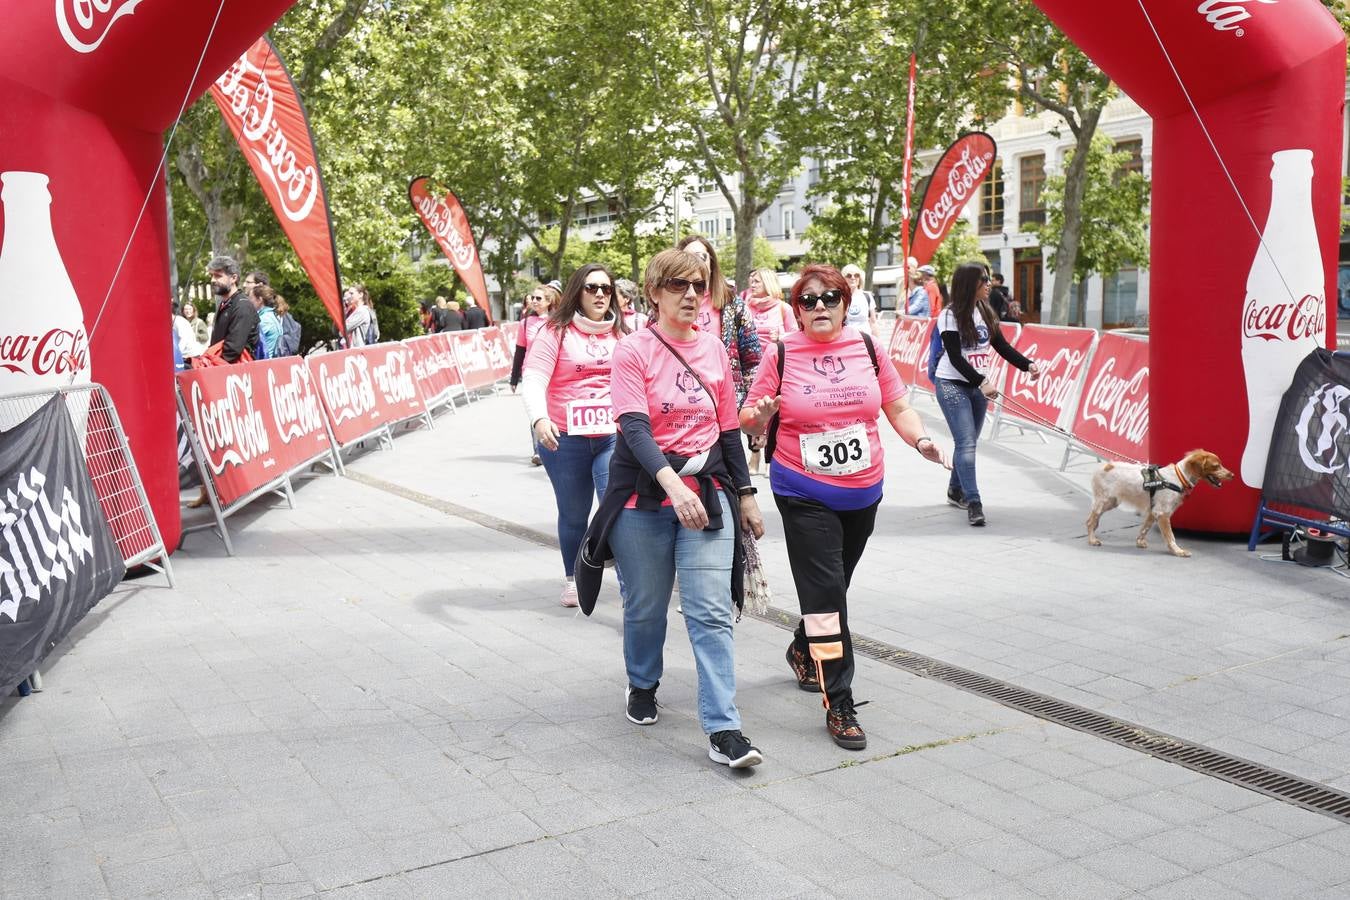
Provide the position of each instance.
(590, 418)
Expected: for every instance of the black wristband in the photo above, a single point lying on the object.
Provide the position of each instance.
(746, 491)
(920, 438)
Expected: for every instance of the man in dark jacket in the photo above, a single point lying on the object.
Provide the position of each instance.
(453, 319)
(1000, 298)
(236, 319)
(474, 317)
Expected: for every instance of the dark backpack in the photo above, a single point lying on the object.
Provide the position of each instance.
(290, 337)
(771, 443)
(934, 352)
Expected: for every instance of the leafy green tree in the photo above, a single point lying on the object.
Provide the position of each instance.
(1113, 215)
(837, 235)
(762, 254)
(961, 245)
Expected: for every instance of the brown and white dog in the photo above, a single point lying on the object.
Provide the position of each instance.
(1117, 482)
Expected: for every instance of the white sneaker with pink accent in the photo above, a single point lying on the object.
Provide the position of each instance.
(569, 594)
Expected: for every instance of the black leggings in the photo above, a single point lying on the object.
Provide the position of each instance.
(824, 546)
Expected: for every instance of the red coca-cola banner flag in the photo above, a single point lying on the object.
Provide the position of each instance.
(1062, 354)
(433, 366)
(1113, 413)
(476, 362)
(366, 388)
(261, 106)
(923, 354)
(254, 422)
(908, 341)
(953, 184)
(445, 218)
(998, 367)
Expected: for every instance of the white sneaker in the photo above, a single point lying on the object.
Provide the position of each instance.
(569, 595)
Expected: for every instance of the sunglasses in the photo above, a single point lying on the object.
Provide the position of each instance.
(599, 290)
(831, 298)
(682, 285)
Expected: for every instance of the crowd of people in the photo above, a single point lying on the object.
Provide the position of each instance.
(638, 399)
(250, 321)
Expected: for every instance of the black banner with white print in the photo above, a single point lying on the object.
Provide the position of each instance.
(57, 555)
(1309, 461)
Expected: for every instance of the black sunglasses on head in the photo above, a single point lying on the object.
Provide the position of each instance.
(682, 285)
(599, 290)
(832, 298)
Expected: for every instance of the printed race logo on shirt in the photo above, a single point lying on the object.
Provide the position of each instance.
(830, 367)
(689, 385)
(599, 350)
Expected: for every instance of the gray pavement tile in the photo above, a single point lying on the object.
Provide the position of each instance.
(150, 876)
(473, 877)
(762, 879)
(1259, 878)
(345, 866)
(1071, 881)
(1192, 887)
(949, 874)
(1137, 868)
(395, 887)
(415, 851)
(1311, 861)
(1009, 855)
(249, 855)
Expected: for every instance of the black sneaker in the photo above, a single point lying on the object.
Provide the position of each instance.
(731, 748)
(975, 513)
(957, 497)
(642, 704)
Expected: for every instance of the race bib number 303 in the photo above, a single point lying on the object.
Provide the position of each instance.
(590, 418)
(840, 452)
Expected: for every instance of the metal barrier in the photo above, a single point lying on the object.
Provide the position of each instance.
(117, 483)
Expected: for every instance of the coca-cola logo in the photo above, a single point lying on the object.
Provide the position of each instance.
(964, 176)
(295, 406)
(1293, 320)
(908, 343)
(85, 23)
(1118, 405)
(250, 98)
(497, 357)
(395, 379)
(1058, 376)
(1323, 429)
(58, 351)
(472, 354)
(231, 431)
(440, 221)
(1228, 15)
(349, 393)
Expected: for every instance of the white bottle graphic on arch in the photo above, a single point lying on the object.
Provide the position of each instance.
(43, 342)
(1284, 317)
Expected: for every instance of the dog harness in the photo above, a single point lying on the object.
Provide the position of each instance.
(1154, 481)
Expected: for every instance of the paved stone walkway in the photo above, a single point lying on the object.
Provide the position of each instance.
(379, 696)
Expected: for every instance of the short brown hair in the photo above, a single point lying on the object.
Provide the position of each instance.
(670, 264)
(718, 290)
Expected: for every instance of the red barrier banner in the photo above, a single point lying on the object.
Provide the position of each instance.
(1063, 355)
(445, 218)
(909, 343)
(510, 332)
(999, 368)
(471, 353)
(1112, 417)
(261, 105)
(365, 388)
(434, 367)
(254, 422)
(499, 352)
(954, 183)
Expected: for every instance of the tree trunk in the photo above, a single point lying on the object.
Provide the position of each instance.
(746, 219)
(564, 226)
(1066, 251)
(875, 231)
(1080, 318)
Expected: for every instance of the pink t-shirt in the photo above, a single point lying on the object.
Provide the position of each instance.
(832, 399)
(581, 371)
(528, 329)
(709, 318)
(648, 379)
(634, 320)
(774, 322)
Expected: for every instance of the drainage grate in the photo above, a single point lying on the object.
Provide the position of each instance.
(1310, 795)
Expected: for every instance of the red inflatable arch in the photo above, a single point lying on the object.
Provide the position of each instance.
(1260, 77)
(87, 89)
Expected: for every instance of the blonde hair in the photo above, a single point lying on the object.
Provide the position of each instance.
(718, 289)
(769, 278)
(670, 264)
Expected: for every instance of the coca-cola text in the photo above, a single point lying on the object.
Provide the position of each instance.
(59, 351)
(965, 175)
(85, 23)
(1293, 320)
(350, 393)
(441, 221)
(1228, 15)
(295, 408)
(231, 431)
(1119, 405)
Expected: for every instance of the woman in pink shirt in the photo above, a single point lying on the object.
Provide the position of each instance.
(820, 402)
(541, 301)
(723, 314)
(679, 496)
(773, 318)
(566, 390)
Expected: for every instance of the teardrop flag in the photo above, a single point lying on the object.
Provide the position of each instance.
(446, 220)
(954, 183)
(262, 107)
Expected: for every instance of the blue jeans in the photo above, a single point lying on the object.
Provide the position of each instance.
(653, 547)
(963, 406)
(578, 470)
